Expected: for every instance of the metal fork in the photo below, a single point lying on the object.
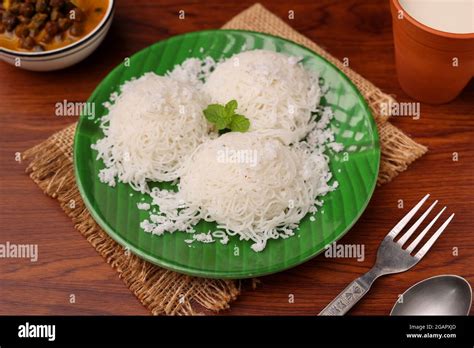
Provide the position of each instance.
(391, 258)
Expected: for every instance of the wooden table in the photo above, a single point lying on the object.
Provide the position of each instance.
(357, 29)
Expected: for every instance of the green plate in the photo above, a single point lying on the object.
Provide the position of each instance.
(356, 169)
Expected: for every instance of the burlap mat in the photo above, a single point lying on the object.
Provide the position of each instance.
(160, 290)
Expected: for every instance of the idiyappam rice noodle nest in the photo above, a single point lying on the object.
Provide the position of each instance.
(256, 185)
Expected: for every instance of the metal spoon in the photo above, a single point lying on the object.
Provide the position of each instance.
(439, 295)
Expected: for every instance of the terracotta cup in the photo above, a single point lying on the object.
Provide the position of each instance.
(432, 66)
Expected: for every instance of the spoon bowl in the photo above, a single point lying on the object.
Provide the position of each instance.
(439, 295)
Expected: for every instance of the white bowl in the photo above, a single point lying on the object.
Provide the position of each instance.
(63, 57)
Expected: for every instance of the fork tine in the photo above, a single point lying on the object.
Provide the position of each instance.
(413, 244)
(398, 227)
(418, 222)
(433, 238)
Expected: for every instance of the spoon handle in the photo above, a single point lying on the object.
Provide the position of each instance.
(351, 294)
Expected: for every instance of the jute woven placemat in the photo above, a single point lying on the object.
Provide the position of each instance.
(167, 292)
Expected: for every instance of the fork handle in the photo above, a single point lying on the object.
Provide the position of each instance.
(351, 294)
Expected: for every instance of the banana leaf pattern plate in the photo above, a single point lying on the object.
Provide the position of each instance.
(356, 168)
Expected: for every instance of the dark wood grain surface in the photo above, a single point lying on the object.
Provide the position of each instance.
(357, 29)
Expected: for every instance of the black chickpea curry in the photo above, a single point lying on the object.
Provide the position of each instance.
(43, 25)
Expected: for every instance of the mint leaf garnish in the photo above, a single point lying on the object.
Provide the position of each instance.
(239, 123)
(224, 117)
(231, 106)
(214, 112)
